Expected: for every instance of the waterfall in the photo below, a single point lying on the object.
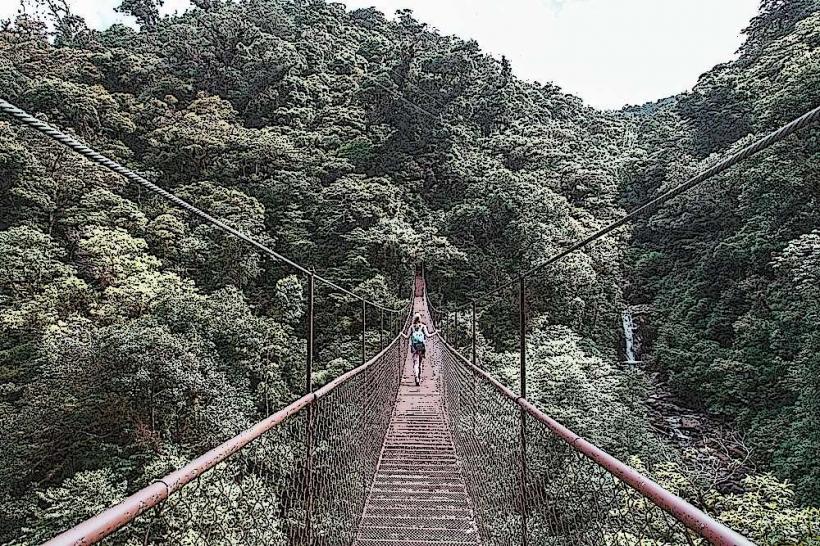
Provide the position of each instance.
(629, 336)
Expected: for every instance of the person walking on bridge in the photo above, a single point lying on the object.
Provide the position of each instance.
(418, 336)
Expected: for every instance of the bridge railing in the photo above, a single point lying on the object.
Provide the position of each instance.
(301, 476)
(536, 482)
(257, 474)
(562, 496)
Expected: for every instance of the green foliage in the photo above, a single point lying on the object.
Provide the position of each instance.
(577, 386)
(145, 11)
(729, 268)
(134, 336)
(36, 288)
(765, 512)
(88, 493)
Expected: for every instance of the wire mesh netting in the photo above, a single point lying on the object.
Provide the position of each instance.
(305, 481)
(351, 422)
(554, 494)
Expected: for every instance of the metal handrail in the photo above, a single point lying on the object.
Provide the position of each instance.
(118, 516)
(693, 518)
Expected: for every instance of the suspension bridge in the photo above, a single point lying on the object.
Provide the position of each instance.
(457, 460)
(373, 459)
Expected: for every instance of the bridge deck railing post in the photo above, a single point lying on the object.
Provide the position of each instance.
(309, 431)
(455, 330)
(474, 359)
(364, 331)
(472, 333)
(522, 320)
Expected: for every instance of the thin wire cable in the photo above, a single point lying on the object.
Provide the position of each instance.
(371, 78)
(399, 95)
(453, 128)
(776, 136)
(95, 156)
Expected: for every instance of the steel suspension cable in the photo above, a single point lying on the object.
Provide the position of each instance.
(759, 145)
(67, 140)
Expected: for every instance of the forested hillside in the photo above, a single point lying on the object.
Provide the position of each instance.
(731, 270)
(134, 337)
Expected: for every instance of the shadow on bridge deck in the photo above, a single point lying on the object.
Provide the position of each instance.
(418, 495)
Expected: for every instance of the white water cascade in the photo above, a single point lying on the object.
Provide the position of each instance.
(629, 336)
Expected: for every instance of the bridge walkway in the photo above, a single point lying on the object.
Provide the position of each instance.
(418, 495)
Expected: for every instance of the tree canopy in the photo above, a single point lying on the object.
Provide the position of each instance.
(133, 337)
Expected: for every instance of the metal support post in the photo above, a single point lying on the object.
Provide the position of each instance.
(522, 320)
(364, 330)
(472, 333)
(310, 414)
(455, 329)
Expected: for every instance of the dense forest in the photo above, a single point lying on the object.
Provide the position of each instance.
(133, 337)
(731, 270)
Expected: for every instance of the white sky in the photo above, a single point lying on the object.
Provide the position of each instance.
(608, 52)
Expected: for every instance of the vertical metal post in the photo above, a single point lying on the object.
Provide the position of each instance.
(522, 320)
(381, 329)
(474, 359)
(364, 331)
(310, 414)
(472, 333)
(309, 363)
(365, 392)
(455, 329)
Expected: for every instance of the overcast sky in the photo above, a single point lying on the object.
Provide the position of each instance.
(608, 52)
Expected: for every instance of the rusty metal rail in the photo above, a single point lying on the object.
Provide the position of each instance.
(330, 469)
(590, 506)
(101, 526)
(263, 478)
(564, 489)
